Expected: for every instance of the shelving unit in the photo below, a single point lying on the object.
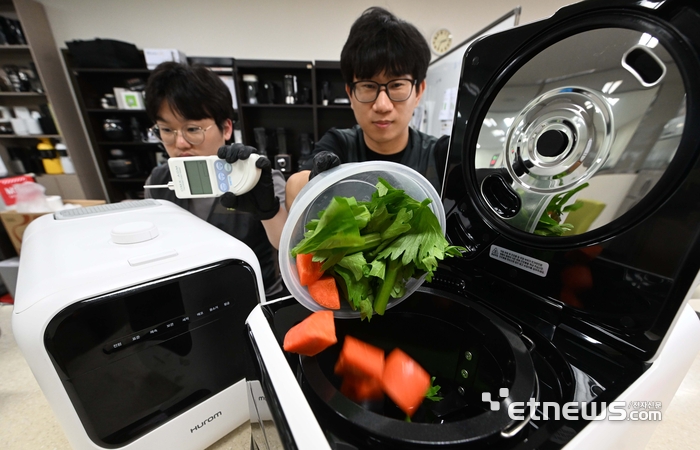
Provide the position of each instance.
(21, 145)
(307, 116)
(272, 112)
(334, 114)
(41, 51)
(139, 157)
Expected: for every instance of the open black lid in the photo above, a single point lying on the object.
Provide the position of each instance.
(573, 170)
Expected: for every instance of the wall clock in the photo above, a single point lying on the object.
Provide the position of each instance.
(441, 41)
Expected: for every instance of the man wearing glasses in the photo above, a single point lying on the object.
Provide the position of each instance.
(384, 63)
(192, 110)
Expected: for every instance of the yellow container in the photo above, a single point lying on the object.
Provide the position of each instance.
(49, 157)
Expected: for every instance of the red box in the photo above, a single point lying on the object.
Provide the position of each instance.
(7, 188)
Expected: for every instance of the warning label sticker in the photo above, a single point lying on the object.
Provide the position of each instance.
(520, 261)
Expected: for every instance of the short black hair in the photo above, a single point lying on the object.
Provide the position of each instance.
(380, 42)
(192, 91)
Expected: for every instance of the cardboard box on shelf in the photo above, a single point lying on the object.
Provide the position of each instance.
(15, 223)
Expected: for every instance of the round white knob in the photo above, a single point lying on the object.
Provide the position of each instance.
(134, 232)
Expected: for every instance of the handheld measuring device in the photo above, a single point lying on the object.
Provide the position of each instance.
(209, 176)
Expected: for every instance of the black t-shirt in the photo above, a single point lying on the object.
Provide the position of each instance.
(423, 153)
(374, 156)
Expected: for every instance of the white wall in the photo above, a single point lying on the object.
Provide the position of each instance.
(266, 29)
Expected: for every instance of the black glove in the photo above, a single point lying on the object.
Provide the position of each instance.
(259, 201)
(323, 161)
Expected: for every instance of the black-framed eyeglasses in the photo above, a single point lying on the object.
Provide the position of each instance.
(398, 90)
(191, 133)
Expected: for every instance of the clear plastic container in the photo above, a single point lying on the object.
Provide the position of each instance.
(348, 180)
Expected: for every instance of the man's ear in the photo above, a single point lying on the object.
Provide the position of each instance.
(227, 129)
(420, 89)
(348, 90)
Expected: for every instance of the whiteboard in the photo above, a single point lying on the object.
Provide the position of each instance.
(435, 112)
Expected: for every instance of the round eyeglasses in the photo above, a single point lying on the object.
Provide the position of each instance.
(398, 90)
(192, 134)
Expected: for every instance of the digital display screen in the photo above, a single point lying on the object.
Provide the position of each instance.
(198, 177)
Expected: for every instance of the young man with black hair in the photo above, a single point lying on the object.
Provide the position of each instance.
(384, 63)
(192, 110)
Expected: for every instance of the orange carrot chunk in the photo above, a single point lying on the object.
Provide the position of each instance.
(312, 335)
(360, 389)
(405, 381)
(360, 359)
(309, 271)
(325, 292)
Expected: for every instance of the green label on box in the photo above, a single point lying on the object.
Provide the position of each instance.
(131, 101)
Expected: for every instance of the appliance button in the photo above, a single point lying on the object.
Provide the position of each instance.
(177, 323)
(123, 343)
(113, 347)
(134, 232)
(213, 308)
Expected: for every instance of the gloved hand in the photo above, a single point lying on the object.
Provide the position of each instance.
(259, 201)
(323, 161)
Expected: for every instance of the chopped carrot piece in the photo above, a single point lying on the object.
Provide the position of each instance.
(340, 366)
(309, 271)
(405, 381)
(360, 359)
(360, 389)
(325, 292)
(312, 335)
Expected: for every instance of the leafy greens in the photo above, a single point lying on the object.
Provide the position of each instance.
(373, 248)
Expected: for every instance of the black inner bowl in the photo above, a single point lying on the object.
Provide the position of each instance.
(467, 348)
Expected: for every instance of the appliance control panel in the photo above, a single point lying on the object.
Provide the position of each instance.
(170, 328)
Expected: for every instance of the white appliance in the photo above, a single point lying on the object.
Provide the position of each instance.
(539, 311)
(131, 317)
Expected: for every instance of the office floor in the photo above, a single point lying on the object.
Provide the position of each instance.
(27, 422)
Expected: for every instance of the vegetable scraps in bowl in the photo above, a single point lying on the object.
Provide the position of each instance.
(370, 249)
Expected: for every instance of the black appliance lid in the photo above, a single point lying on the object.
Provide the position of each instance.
(573, 135)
